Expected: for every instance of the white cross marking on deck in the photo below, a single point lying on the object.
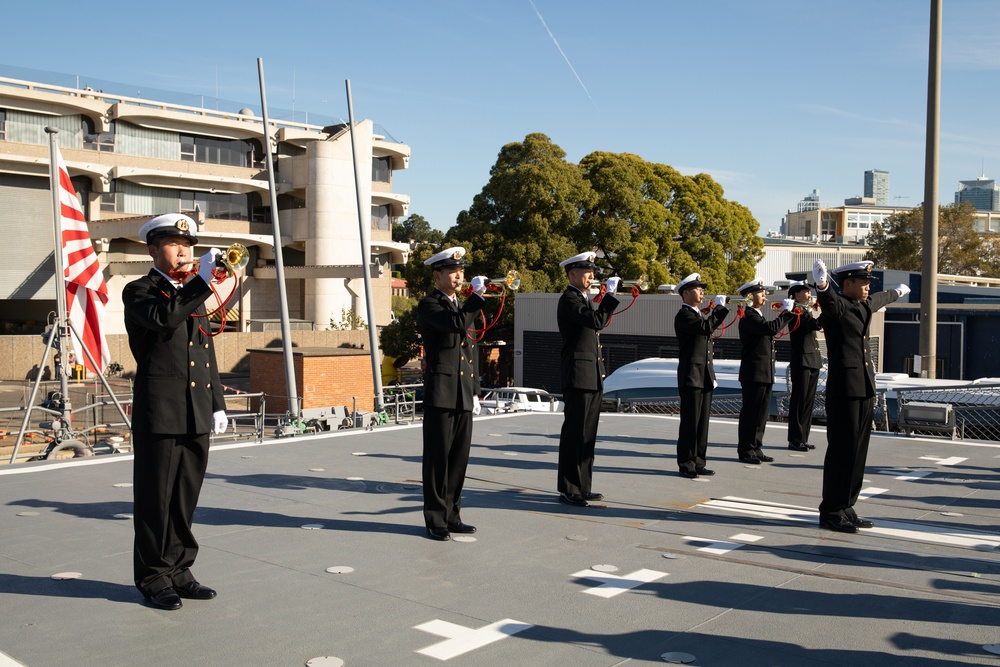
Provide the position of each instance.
(7, 661)
(719, 547)
(869, 492)
(954, 460)
(612, 585)
(462, 639)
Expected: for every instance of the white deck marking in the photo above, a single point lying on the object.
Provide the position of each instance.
(7, 661)
(869, 492)
(461, 639)
(954, 460)
(907, 476)
(719, 547)
(968, 539)
(612, 585)
(936, 535)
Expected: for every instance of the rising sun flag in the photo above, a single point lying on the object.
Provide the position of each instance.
(86, 292)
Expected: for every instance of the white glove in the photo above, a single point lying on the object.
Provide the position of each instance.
(820, 274)
(720, 301)
(612, 284)
(208, 263)
(219, 422)
(479, 284)
(788, 304)
(902, 289)
(476, 407)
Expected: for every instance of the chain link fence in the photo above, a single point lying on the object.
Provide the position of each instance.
(965, 411)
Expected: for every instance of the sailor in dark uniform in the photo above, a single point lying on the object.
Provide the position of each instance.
(695, 373)
(177, 402)
(850, 387)
(582, 374)
(804, 368)
(757, 371)
(451, 390)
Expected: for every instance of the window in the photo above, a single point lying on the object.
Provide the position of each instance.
(230, 152)
(381, 169)
(103, 142)
(380, 218)
(109, 199)
(3, 124)
(223, 206)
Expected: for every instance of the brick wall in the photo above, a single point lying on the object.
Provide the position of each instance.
(325, 377)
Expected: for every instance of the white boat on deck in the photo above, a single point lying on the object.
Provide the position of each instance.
(655, 378)
(519, 399)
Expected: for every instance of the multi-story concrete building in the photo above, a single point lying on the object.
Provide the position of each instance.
(132, 158)
(849, 223)
(877, 186)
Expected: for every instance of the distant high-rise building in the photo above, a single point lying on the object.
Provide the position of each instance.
(877, 186)
(810, 202)
(982, 192)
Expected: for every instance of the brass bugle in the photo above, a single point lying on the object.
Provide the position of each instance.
(511, 281)
(235, 258)
(642, 282)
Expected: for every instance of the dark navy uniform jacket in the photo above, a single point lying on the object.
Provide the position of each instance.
(177, 386)
(580, 363)
(451, 377)
(694, 335)
(850, 371)
(757, 338)
(805, 344)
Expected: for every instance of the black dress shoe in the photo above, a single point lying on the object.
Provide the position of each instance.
(798, 447)
(461, 528)
(841, 524)
(705, 471)
(573, 499)
(762, 456)
(440, 534)
(192, 590)
(861, 523)
(593, 496)
(749, 457)
(166, 599)
(690, 474)
(808, 446)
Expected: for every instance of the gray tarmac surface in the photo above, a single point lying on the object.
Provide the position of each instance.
(730, 570)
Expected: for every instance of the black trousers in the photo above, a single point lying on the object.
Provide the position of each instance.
(800, 408)
(753, 415)
(447, 441)
(848, 432)
(578, 439)
(692, 437)
(168, 471)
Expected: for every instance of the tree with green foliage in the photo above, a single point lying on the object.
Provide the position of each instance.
(399, 338)
(416, 228)
(648, 219)
(897, 242)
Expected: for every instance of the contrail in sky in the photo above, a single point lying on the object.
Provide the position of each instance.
(556, 42)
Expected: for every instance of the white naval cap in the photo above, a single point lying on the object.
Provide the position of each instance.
(169, 224)
(861, 269)
(797, 286)
(692, 281)
(752, 286)
(446, 258)
(585, 260)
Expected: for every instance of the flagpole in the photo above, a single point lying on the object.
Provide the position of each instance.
(62, 317)
(366, 255)
(279, 264)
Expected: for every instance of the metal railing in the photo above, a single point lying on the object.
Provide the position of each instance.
(975, 410)
(400, 403)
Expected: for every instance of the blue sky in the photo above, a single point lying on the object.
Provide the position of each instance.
(773, 98)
